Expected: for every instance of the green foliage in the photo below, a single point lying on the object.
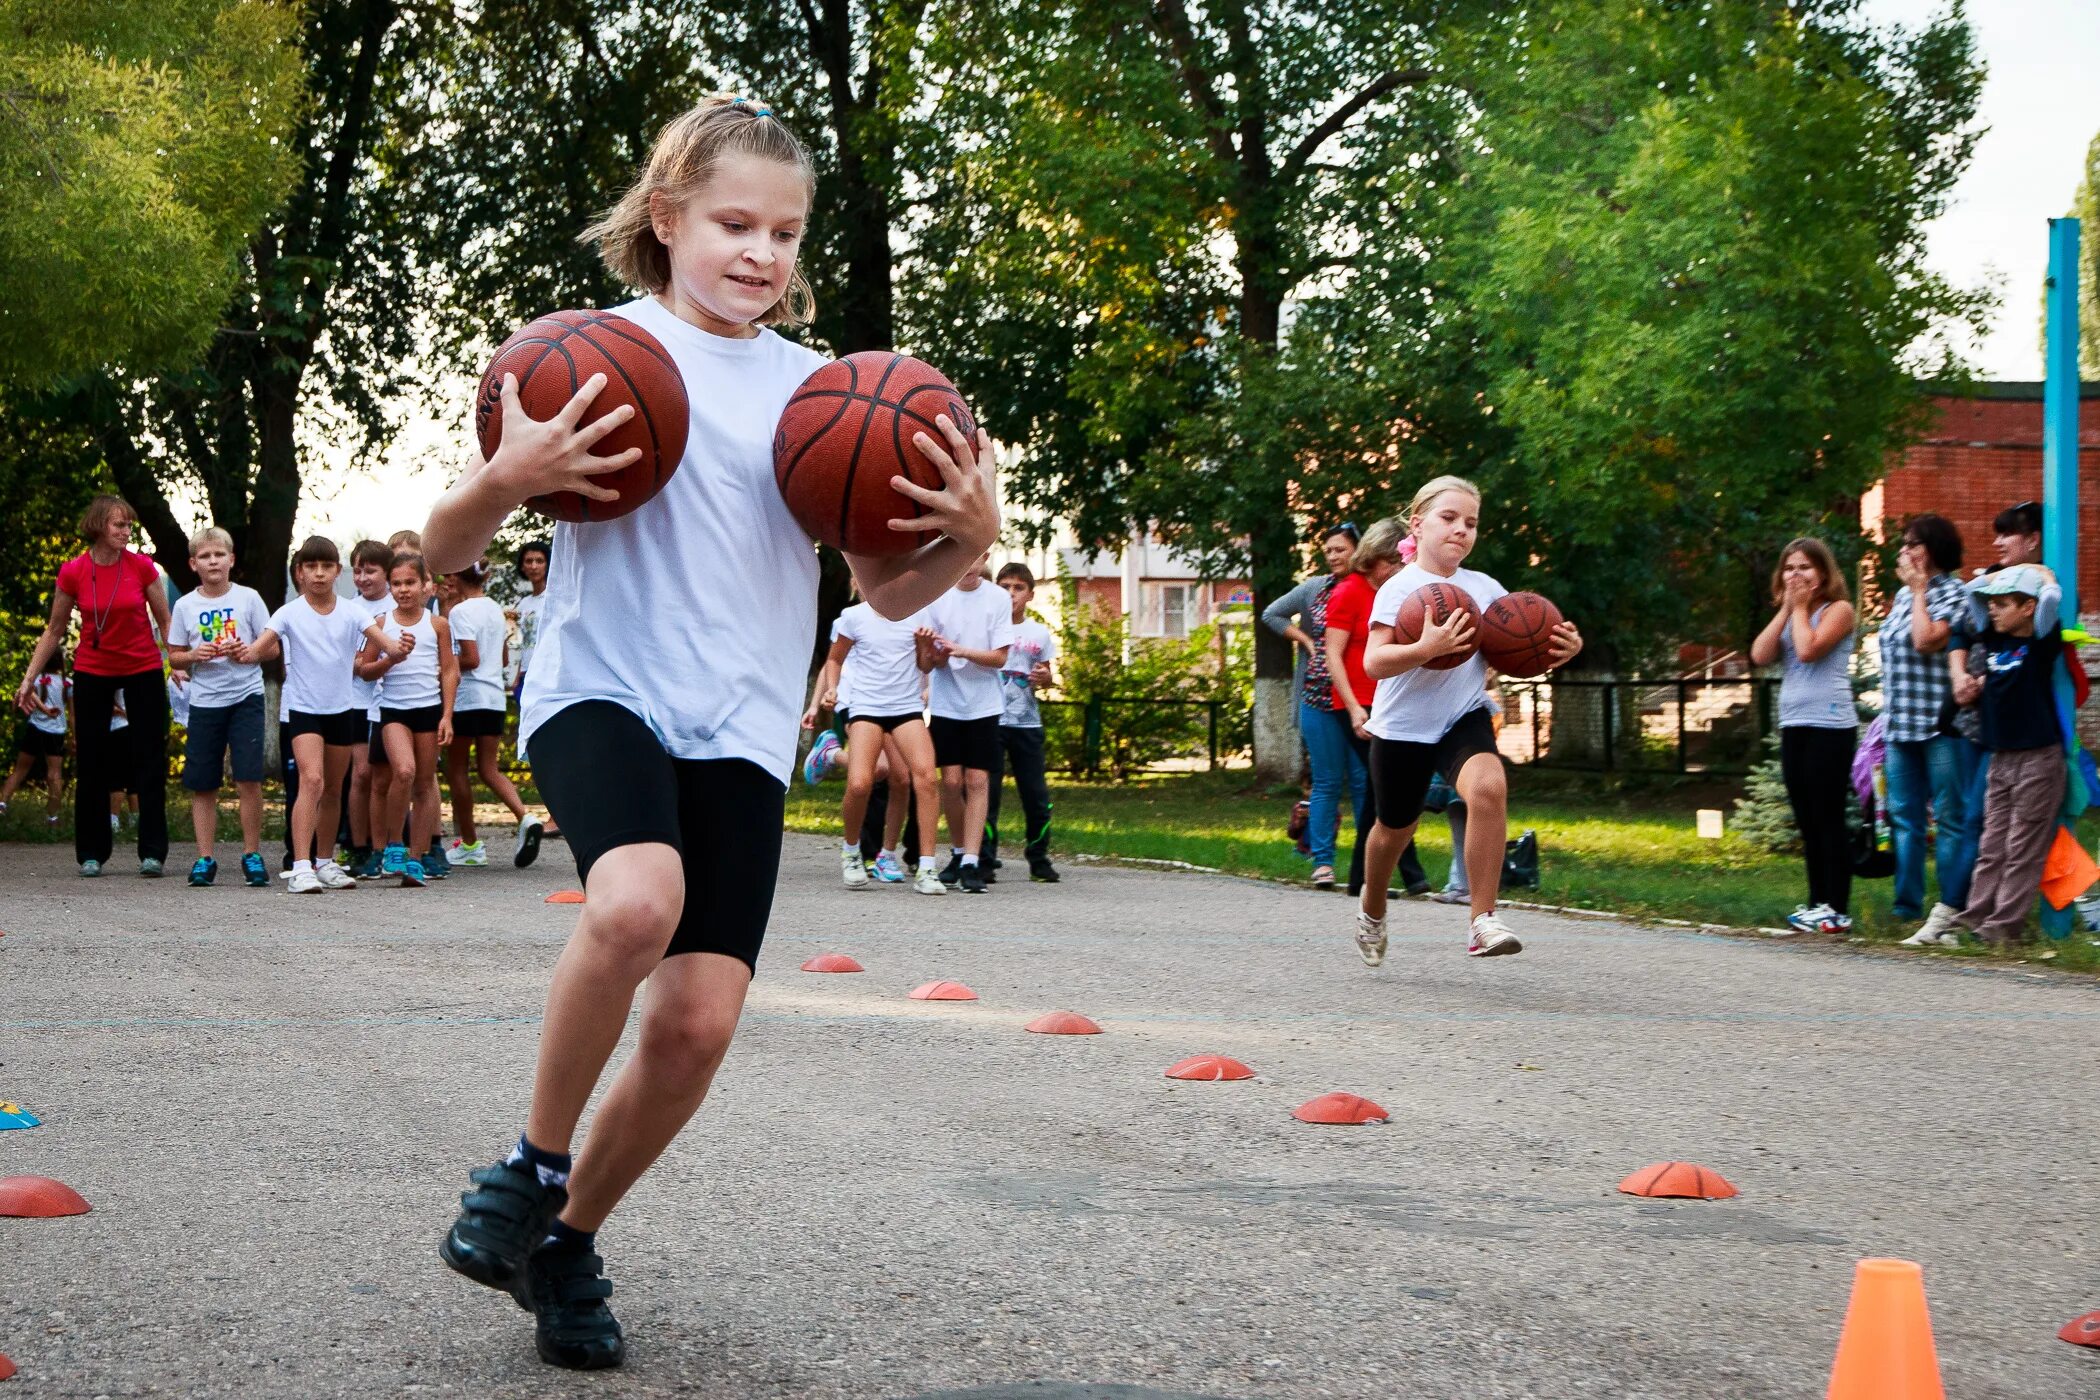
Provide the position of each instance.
(2085, 207)
(1147, 695)
(46, 479)
(1763, 815)
(141, 144)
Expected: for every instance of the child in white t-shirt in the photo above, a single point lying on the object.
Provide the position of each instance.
(962, 648)
(1027, 669)
(1425, 721)
(408, 651)
(206, 631)
(481, 636)
(886, 716)
(660, 708)
(42, 738)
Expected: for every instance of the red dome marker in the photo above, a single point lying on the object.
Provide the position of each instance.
(942, 991)
(1063, 1023)
(7, 1368)
(832, 962)
(1339, 1108)
(39, 1197)
(2082, 1331)
(566, 897)
(1211, 1067)
(1681, 1180)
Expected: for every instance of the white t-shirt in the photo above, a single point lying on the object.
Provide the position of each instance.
(981, 619)
(698, 611)
(528, 610)
(367, 692)
(1033, 643)
(320, 652)
(885, 662)
(53, 689)
(481, 621)
(842, 693)
(412, 682)
(1420, 706)
(237, 615)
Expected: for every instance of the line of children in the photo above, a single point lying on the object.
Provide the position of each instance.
(41, 738)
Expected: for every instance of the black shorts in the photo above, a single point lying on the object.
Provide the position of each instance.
(36, 743)
(966, 743)
(423, 719)
(609, 783)
(339, 730)
(1400, 770)
(213, 730)
(477, 724)
(889, 723)
(375, 747)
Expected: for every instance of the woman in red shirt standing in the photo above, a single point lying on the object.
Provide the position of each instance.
(119, 653)
(1377, 559)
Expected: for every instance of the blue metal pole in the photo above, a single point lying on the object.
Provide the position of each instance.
(2060, 416)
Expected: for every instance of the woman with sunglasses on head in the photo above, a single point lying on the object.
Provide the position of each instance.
(1323, 717)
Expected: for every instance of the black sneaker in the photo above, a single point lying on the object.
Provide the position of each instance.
(501, 1221)
(566, 1290)
(953, 872)
(991, 872)
(972, 879)
(1042, 872)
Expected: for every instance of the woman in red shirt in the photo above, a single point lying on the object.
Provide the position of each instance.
(114, 590)
(1377, 559)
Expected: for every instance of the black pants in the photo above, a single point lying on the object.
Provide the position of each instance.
(134, 758)
(1412, 875)
(1022, 750)
(1817, 766)
(877, 816)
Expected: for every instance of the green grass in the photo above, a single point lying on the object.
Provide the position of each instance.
(1627, 847)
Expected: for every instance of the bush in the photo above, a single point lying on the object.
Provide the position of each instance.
(1763, 816)
(1139, 688)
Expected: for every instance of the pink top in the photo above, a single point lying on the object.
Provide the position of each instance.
(110, 599)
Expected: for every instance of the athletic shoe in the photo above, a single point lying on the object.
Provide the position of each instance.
(204, 872)
(254, 871)
(1451, 896)
(1809, 918)
(150, 868)
(528, 848)
(89, 869)
(393, 858)
(333, 876)
(929, 882)
(434, 863)
(567, 1290)
(459, 853)
(412, 875)
(952, 871)
(1491, 938)
(890, 871)
(853, 868)
(1370, 939)
(501, 1222)
(1042, 872)
(822, 754)
(1323, 877)
(991, 872)
(1941, 929)
(1834, 922)
(971, 880)
(306, 882)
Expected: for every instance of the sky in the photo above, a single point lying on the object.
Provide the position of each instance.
(2041, 108)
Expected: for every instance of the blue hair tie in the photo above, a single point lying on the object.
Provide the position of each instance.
(753, 106)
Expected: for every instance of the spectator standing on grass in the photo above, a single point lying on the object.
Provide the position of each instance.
(123, 609)
(1818, 725)
(1928, 770)
(1375, 559)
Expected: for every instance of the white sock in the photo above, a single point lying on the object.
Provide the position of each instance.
(925, 863)
(955, 850)
(969, 861)
(850, 847)
(299, 866)
(886, 854)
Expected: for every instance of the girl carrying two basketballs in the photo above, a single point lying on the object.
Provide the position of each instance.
(661, 710)
(1435, 720)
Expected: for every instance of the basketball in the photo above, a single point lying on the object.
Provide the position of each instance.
(552, 358)
(1516, 634)
(1437, 602)
(847, 431)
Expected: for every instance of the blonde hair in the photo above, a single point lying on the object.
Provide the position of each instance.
(210, 534)
(684, 157)
(1830, 585)
(1430, 491)
(1380, 542)
(404, 539)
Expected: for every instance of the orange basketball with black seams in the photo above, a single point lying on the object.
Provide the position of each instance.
(847, 431)
(552, 358)
(1516, 634)
(1437, 602)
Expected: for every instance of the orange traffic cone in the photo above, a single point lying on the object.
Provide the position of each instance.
(1885, 1351)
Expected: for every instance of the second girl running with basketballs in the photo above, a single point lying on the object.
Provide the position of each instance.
(664, 750)
(1426, 721)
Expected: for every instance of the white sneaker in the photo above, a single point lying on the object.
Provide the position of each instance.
(1941, 929)
(528, 848)
(460, 853)
(333, 876)
(853, 868)
(1808, 918)
(1370, 939)
(306, 882)
(1492, 938)
(929, 881)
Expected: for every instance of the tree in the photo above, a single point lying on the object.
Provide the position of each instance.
(141, 144)
(2085, 207)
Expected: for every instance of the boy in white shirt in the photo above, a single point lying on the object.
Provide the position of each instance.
(1021, 729)
(962, 648)
(209, 626)
(369, 769)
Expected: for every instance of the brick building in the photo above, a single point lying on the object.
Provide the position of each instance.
(1167, 594)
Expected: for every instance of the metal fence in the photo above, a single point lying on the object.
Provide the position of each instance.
(1143, 734)
(1659, 726)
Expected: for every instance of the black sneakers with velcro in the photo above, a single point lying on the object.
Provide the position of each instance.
(567, 1289)
(501, 1222)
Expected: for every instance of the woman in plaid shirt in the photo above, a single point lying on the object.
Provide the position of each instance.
(1928, 768)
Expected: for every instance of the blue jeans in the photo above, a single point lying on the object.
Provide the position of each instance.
(1929, 779)
(1958, 857)
(1335, 765)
